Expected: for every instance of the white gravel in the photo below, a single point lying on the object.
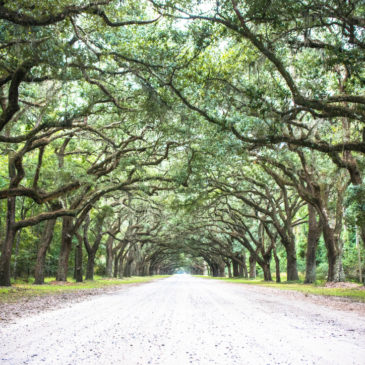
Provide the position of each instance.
(186, 320)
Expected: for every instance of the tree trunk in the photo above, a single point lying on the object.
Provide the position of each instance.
(120, 267)
(90, 266)
(214, 268)
(66, 245)
(92, 249)
(252, 261)
(133, 269)
(291, 261)
(7, 246)
(243, 268)
(277, 266)
(146, 269)
(267, 272)
(116, 265)
(229, 269)
(46, 240)
(335, 270)
(236, 272)
(314, 233)
(78, 260)
(221, 270)
(127, 268)
(109, 257)
(17, 244)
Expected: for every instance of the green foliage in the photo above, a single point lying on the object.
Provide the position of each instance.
(355, 206)
(191, 132)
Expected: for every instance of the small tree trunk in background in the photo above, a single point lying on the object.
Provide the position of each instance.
(252, 261)
(229, 269)
(342, 276)
(17, 244)
(116, 268)
(90, 266)
(243, 268)
(333, 254)
(236, 272)
(333, 268)
(23, 212)
(265, 263)
(146, 269)
(109, 257)
(133, 269)
(291, 261)
(92, 249)
(66, 245)
(78, 259)
(314, 233)
(127, 268)
(46, 240)
(7, 246)
(241, 273)
(267, 272)
(277, 266)
(214, 268)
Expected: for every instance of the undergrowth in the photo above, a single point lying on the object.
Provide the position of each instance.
(356, 293)
(21, 289)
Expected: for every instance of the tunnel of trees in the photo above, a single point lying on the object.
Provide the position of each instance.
(144, 137)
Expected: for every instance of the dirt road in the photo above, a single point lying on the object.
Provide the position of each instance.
(184, 320)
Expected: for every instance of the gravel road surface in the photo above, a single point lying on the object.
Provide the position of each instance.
(185, 320)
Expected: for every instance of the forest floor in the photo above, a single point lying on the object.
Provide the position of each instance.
(188, 320)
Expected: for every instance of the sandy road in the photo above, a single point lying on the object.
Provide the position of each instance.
(185, 320)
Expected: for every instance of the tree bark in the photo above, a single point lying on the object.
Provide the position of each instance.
(335, 270)
(314, 233)
(236, 272)
(127, 268)
(46, 240)
(277, 266)
(252, 261)
(221, 270)
(109, 257)
(17, 244)
(90, 266)
(116, 265)
(291, 261)
(7, 246)
(66, 244)
(291, 267)
(92, 249)
(214, 269)
(78, 260)
(243, 268)
(267, 272)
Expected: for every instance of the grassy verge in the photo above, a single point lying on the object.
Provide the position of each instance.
(20, 290)
(355, 293)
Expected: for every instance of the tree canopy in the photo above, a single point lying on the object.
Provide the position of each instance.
(154, 136)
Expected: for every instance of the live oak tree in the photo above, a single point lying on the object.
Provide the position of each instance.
(210, 129)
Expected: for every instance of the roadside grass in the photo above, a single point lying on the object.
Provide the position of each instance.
(21, 289)
(355, 293)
